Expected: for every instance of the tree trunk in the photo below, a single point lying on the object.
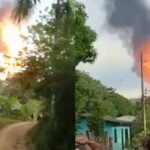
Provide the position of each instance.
(63, 133)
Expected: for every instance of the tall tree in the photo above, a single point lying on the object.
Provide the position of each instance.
(49, 69)
(24, 8)
(95, 99)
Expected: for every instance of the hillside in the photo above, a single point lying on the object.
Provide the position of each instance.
(91, 94)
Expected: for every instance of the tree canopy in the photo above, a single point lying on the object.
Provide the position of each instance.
(48, 69)
(99, 101)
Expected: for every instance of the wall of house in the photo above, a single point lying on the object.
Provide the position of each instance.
(82, 126)
(118, 134)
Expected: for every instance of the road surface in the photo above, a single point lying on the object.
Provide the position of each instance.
(12, 137)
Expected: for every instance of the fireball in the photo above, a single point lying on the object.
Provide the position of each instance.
(11, 44)
(145, 48)
(11, 37)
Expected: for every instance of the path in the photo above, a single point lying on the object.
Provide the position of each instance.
(12, 137)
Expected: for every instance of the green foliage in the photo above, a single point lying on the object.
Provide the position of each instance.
(40, 135)
(109, 108)
(32, 107)
(96, 119)
(148, 115)
(84, 37)
(122, 104)
(88, 91)
(60, 41)
(56, 41)
(137, 134)
(138, 127)
(8, 104)
(95, 99)
(11, 107)
(138, 140)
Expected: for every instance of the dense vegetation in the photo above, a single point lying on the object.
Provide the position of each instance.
(138, 135)
(11, 107)
(60, 41)
(94, 98)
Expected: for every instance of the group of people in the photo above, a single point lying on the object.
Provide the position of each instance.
(39, 116)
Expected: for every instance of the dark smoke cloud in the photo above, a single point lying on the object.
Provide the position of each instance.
(132, 16)
(129, 14)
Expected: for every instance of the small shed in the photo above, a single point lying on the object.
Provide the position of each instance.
(82, 127)
(118, 129)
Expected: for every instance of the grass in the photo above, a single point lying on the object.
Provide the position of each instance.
(4, 121)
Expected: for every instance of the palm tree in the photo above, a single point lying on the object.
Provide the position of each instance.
(24, 8)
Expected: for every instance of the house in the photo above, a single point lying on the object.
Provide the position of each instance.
(117, 129)
(82, 128)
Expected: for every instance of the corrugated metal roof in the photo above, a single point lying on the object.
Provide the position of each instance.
(126, 118)
(120, 120)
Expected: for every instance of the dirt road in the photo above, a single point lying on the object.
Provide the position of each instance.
(12, 137)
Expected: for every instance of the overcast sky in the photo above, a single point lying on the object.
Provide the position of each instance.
(113, 66)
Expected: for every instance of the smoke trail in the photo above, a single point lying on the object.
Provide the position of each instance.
(134, 16)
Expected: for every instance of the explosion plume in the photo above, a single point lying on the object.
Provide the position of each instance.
(132, 16)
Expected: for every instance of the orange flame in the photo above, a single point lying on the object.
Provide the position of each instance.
(11, 38)
(146, 60)
(11, 43)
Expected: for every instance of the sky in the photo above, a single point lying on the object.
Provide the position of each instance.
(113, 66)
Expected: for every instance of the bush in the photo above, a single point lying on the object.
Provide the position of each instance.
(39, 135)
(138, 140)
(11, 107)
(32, 107)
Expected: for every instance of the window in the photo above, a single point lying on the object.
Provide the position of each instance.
(115, 135)
(127, 138)
(88, 134)
(122, 139)
(126, 134)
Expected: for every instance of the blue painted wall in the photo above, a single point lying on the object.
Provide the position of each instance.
(82, 126)
(110, 128)
(122, 133)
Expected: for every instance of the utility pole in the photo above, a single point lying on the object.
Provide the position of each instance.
(142, 96)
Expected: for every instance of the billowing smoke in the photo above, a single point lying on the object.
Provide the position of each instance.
(133, 16)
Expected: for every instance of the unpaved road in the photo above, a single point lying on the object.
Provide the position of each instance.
(12, 137)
